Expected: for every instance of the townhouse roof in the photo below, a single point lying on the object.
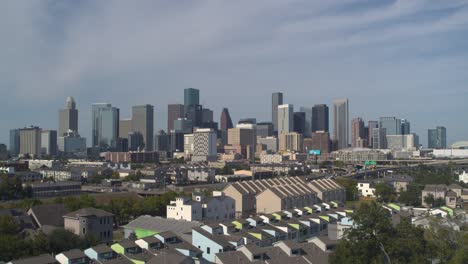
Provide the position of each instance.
(455, 186)
(41, 259)
(435, 187)
(102, 248)
(49, 214)
(169, 256)
(84, 212)
(74, 254)
(221, 240)
(159, 224)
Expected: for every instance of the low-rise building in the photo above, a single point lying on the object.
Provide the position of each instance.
(218, 207)
(55, 189)
(91, 221)
(366, 188)
(73, 256)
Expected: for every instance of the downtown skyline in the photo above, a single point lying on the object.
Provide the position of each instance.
(416, 70)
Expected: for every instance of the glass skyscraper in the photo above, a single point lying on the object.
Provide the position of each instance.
(392, 125)
(437, 138)
(191, 97)
(105, 125)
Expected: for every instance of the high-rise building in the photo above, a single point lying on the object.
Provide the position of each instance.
(248, 120)
(162, 141)
(143, 122)
(276, 100)
(408, 142)
(177, 141)
(299, 122)
(320, 118)
(308, 120)
(68, 117)
(49, 142)
(135, 141)
(264, 129)
(320, 141)
(105, 124)
(392, 125)
(183, 125)
(290, 142)
(437, 138)
(244, 136)
(188, 145)
(14, 142)
(370, 126)
(194, 113)
(204, 145)
(125, 127)
(405, 127)
(357, 132)
(341, 122)
(30, 141)
(207, 115)
(119, 145)
(191, 97)
(174, 112)
(285, 118)
(3, 152)
(226, 123)
(379, 138)
(71, 144)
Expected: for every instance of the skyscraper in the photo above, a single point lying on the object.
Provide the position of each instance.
(405, 127)
(285, 118)
(125, 127)
(244, 137)
(320, 118)
(68, 117)
(341, 122)
(391, 124)
(264, 129)
(276, 100)
(174, 111)
(357, 131)
(105, 124)
(162, 141)
(299, 122)
(379, 138)
(135, 141)
(143, 122)
(437, 138)
(226, 123)
(14, 142)
(49, 142)
(290, 142)
(30, 141)
(194, 113)
(207, 115)
(191, 97)
(308, 120)
(370, 126)
(204, 145)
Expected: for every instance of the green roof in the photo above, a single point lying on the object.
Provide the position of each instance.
(394, 206)
(448, 210)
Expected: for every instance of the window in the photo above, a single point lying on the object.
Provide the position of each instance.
(207, 250)
(84, 231)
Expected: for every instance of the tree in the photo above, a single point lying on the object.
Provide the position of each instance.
(412, 195)
(429, 200)
(384, 192)
(351, 188)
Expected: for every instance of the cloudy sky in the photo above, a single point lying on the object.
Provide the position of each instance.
(404, 58)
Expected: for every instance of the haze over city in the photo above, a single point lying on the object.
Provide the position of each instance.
(389, 58)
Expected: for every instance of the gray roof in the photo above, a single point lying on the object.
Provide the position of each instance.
(88, 212)
(103, 248)
(159, 224)
(49, 214)
(170, 256)
(41, 259)
(435, 187)
(74, 254)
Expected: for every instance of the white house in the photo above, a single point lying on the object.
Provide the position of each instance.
(463, 177)
(366, 189)
(217, 207)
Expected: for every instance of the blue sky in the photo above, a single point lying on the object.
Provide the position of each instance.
(390, 58)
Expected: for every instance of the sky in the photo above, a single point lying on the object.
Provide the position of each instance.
(407, 59)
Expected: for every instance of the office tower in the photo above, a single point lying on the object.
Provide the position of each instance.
(204, 145)
(244, 137)
(248, 120)
(30, 141)
(285, 118)
(194, 113)
(105, 125)
(392, 125)
(162, 141)
(271, 143)
(341, 122)
(14, 142)
(379, 138)
(143, 122)
(437, 138)
(370, 126)
(276, 100)
(264, 129)
(136, 141)
(226, 123)
(68, 117)
(191, 98)
(320, 118)
(320, 141)
(409, 142)
(49, 142)
(125, 127)
(188, 145)
(308, 120)
(357, 132)
(183, 125)
(405, 127)
(299, 121)
(3, 152)
(174, 112)
(290, 142)
(71, 143)
(207, 115)
(119, 145)
(177, 141)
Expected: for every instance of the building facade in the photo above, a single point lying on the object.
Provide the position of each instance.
(143, 122)
(341, 122)
(290, 142)
(285, 118)
(68, 117)
(320, 119)
(105, 124)
(30, 141)
(276, 100)
(174, 112)
(204, 145)
(437, 138)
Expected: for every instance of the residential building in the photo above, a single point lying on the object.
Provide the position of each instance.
(204, 145)
(30, 141)
(271, 158)
(320, 120)
(341, 122)
(68, 117)
(132, 156)
(276, 100)
(91, 221)
(105, 124)
(41, 259)
(438, 191)
(308, 120)
(102, 253)
(299, 122)
(358, 155)
(49, 142)
(218, 207)
(392, 125)
(285, 118)
(285, 197)
(146, 225)
(174, 112)
(72, 257)
(437, 138)
(143, 122)
(357, 132)
(290, 142)
(48, 215)
(264, 129)
(14, 147)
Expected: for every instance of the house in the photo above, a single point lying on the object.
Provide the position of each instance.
(96, 222)
(463, 177)
(100, 253)
(398, 182)
(451, 199)
(73, 256)
(48, 215)
(328, 190)
(131, 251)
(172, 257)
(283, 197)
(366, 188)
(456, 188)
(211, 240)
(41, 259)
(436, 190)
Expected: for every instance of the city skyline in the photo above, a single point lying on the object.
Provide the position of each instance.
(415, 70)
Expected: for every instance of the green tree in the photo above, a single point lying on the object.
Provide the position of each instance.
(384, 192)
(412, 195)
(429, 200)
(351, 188)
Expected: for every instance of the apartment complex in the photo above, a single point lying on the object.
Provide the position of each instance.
(199, 207)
